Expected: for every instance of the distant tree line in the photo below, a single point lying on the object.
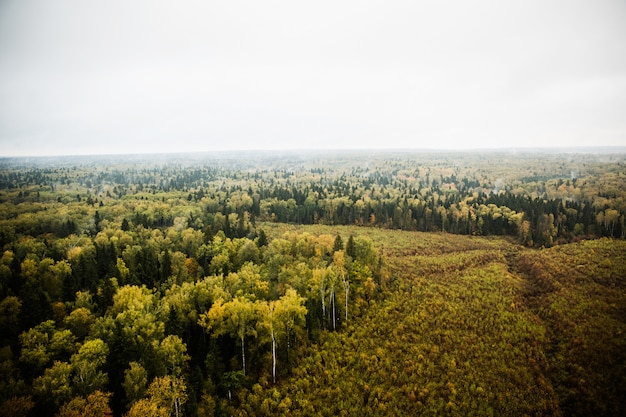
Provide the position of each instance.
(537, 208)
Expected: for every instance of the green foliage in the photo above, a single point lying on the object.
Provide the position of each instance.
(91, 356)
(135, 382)
(55, 386)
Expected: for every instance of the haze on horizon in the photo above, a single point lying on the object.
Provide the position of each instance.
(116, 77)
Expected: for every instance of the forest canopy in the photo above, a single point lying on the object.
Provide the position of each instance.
(241, 284)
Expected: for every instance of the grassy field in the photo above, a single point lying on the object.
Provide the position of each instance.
(468, 326)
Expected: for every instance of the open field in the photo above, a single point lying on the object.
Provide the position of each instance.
(476, 326)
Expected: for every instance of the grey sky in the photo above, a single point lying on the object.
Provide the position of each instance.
(119, 76)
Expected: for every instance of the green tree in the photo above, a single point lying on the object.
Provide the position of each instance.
(261, 239)
(55, 386)
(338, 244)
(10, 309)
(79, 322)
(135, 382)
(35, 345)
(351, 248)
(91, 357)
(137, 310)
(171, 353)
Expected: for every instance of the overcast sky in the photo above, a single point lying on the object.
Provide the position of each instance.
(120, 76)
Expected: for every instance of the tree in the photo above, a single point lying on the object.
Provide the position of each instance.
(338, 245)
(545, 231)
(91, 356)
(351, 248)
(166, 395)
(79, 322)
(124, 272)
(611, 218)
(248, 282)
(332, 279)
(339, 264)
(290, 312)
(32, 293)
(55, 384)
(318, 284)
(132, 327)
(62, 344)
(95, 405)
(279, 318)
(171, 353)
(147, 407)
(236, 318)
(17, 407)
(34, 343)
(267, 321)
(10, 309)
(169, 392)
(261, 239)
(137, 310)
(135, 382)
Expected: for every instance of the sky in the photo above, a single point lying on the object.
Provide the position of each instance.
(146, 76)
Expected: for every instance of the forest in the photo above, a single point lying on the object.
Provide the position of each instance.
(317, 284)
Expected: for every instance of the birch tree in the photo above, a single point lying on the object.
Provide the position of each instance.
(339, 264)
(332, 279)
(267, 322)
(279, 318)
(290, 312)
(236, 318)
(317, 288)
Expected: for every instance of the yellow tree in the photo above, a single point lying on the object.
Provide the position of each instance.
(339, 264)
(317, 285)
(95, 405)
(290, 312)
(166, 396)
(332, 280)
(267, 322)
(236, 318)
(279, 318)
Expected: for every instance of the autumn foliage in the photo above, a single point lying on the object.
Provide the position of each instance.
(391, 286)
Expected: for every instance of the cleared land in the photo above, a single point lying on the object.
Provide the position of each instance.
(472, 326)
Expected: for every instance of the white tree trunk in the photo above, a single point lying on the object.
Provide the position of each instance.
(322, 291)
(332, 302)
(346, 287)
(273, 357)
(243, 355)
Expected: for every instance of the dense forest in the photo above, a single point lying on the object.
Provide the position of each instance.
(538, 198)
(327, 284)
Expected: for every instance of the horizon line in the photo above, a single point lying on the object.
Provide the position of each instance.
(198, 153)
